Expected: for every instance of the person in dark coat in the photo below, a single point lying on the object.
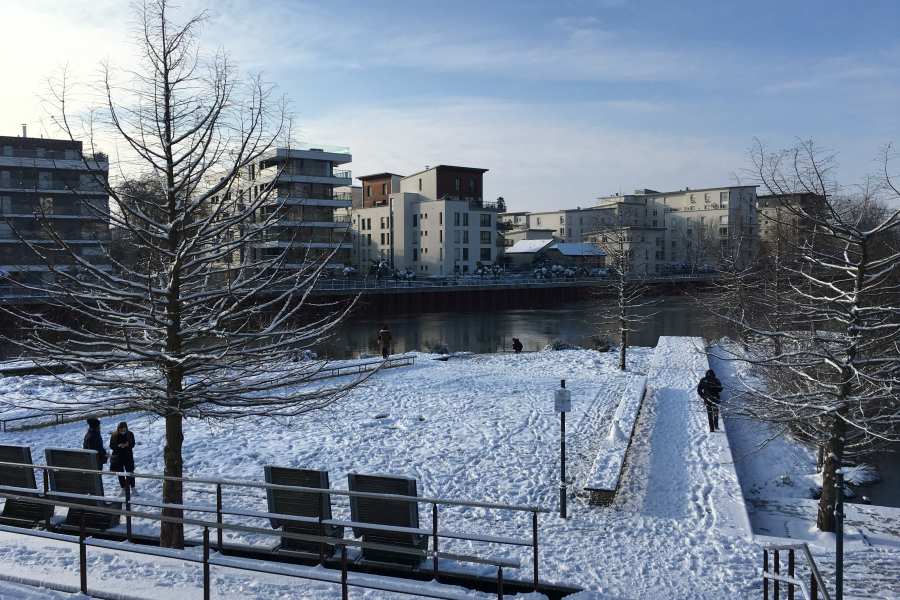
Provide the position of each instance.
(709, 389)
(93, 440)
(384, 340)
(517, 345)
(122, 444)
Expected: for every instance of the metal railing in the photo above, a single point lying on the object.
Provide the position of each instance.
(70, 154)
(816, 583)
(50, 498)
(476, 281)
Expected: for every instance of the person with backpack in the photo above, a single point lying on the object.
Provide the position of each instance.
(384, 340)
(122, 444)
(709, 389)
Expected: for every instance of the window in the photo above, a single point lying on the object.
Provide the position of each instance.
(689, 244)
(456, 219)
(369, 191)
(472, 186)
(457, 185)
(45, 181)
(4, 179)
(415, 254)
(368, 223)
(485, 237)
(562, 220)
(673, 245)
(465, 219)
(465, 268)
(570, 232)
(693, 199)
(723, 231)
(384, 189)
(441, 235)
(382, 222)
(485, 254)
(665, 201)
(581, 219)
(654, 213)
(425, 250)
(654, 222)
(369, 239)
(456, 235)
(382, 239)
(538, 220)
(485, 220)
(456, 254)
(415, 220)
(420, 184)
(723, 220)
(673, 222)
(440, 218)
(562, 231)
(690, 232)
(465, 256)
(6, 205)
(465, 236)
(723, 197)
(706, 197)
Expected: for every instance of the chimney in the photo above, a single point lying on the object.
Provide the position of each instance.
(24, 130)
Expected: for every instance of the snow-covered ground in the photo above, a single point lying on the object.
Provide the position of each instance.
(480, 428)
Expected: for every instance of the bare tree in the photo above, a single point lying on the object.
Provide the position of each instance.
(627, 259)
(828, 347)
(196, 317)
(699, 241)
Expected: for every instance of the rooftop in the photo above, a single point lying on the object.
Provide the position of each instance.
(578, 249)
(528, 246)
(449, 168)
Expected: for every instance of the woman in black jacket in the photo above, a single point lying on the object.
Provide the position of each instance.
(122, 445)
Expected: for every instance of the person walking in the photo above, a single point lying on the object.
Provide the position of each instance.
(384, 340)
(517, 345)
(709, 389)
(93, 440)
(122, 444)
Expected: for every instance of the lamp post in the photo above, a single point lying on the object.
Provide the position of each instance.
(563, 404)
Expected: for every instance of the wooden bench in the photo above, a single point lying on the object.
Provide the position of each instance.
(89, 484)
(394, 513)
(19, 513)
(301, 504)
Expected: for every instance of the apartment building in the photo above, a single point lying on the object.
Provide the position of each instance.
(693, 227)
(781, 214)
(308, 190)
(434, 221)
(54, 179)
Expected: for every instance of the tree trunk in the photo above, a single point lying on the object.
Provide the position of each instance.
(624, 333)
(834, 453)
(171, 535)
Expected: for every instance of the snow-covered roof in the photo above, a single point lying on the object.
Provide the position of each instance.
(578, 249)
(528, 246)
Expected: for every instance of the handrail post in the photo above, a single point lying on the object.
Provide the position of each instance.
(813, 587)
(765, 570)
(777, 569)
(321, 530)
(82, 550)
(128, 509)
(434, 526)
(47, 509)
(534, 541)
(206, 563)
(791, 573)
(343, 571)
(219, 517)
(499, 583)
(839, 539)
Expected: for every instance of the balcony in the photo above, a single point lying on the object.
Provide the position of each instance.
(288, 196)
(70, 154)
(480, 204)
(292, 171)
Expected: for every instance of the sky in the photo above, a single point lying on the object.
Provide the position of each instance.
(562, 101)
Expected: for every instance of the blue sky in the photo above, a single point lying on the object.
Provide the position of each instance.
(562, 101)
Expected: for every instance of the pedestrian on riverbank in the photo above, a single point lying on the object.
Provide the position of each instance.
(384, 340)
(709, 389)
(122, 444)
(517, 345)
(93, 440)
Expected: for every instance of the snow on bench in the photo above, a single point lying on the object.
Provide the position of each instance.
(604, 477)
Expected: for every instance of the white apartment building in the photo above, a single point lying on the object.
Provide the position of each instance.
(435, 223)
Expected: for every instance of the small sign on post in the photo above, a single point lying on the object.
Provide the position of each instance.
(563, 404)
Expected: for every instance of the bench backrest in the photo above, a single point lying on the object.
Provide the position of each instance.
(289, 502)
(380, 511)
(70, 482)
(15, 476)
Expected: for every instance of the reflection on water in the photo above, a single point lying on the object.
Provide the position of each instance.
(481, 332)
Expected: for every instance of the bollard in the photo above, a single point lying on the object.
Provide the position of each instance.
(128, 509)
(562, 452)
(791, 573)
(219, 517)
(206, 563)
(321, 530)
(765, 579)
(499, 583)
(777, 571)
(343, 572)
(534, 540)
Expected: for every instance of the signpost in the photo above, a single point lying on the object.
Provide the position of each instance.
(563, 404)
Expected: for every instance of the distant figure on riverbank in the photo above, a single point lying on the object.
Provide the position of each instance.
(709, 389)
(93, 440)
(517, 345)
(384, 340)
